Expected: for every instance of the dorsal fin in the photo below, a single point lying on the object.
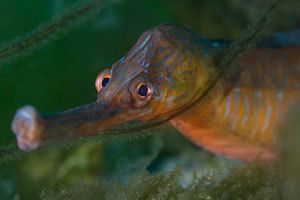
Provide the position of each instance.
(278, 40)
(281, 39)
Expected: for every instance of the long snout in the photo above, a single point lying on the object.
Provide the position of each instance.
(33, 129)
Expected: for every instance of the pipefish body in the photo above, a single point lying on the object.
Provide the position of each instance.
(169, 68)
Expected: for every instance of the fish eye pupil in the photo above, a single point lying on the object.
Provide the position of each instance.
(143, 90)
(105, 81)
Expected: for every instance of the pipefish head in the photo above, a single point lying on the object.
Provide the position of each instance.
(164, 71)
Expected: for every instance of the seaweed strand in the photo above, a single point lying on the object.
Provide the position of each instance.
(70, 16)
(77, 12)
(10, 153)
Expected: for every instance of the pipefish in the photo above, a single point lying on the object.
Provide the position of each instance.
(168, 68)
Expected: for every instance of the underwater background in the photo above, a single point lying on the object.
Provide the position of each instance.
(59, 73)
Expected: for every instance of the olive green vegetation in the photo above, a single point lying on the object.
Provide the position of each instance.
(58, 72)
(251, 182)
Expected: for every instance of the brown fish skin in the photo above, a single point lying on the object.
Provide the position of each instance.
(236, 117)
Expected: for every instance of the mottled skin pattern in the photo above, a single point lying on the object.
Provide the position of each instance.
(237, 117)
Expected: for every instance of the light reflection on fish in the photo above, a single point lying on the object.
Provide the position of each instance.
(169, 68)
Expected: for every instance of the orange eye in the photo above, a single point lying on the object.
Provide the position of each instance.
(102, 80)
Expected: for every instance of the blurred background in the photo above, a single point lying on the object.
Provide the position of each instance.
(60, 74)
